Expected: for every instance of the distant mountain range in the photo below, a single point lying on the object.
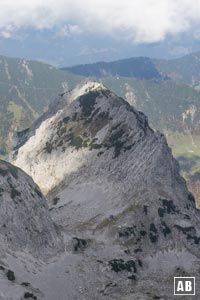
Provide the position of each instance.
(139, 67)
(151, 85)
(184, 69)
(26, 89)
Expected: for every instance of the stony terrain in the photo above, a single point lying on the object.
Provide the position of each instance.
(24, 215)
(128, 222)
(27, 234)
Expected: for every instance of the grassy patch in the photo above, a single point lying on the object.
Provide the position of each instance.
(16, 110)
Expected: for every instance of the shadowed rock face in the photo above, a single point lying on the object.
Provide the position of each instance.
(114, 187)
(24, 217)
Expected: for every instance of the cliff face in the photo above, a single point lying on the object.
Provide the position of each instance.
(115, 191)
(28, 236)
(24, 216)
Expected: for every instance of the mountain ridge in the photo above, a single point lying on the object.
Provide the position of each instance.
(139, 67)
(182, 69)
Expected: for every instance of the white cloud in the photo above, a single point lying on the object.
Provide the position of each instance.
(7, 31)
(140, 21)
(5, 34)
(87, 51)
(68, 30)
(180, 51)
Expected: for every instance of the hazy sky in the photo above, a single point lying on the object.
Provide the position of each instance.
(67, 32)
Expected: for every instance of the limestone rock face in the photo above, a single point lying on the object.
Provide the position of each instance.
(114, 187)
(25, 221)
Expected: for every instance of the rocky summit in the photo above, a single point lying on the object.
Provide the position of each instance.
(128, 221)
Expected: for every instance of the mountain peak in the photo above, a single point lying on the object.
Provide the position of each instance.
(83, 89)
(89, 86)
(90, 119)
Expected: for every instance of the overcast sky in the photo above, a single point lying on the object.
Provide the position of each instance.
(97, 28)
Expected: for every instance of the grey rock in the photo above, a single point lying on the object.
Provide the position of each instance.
(99, 158)
(25, 221)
